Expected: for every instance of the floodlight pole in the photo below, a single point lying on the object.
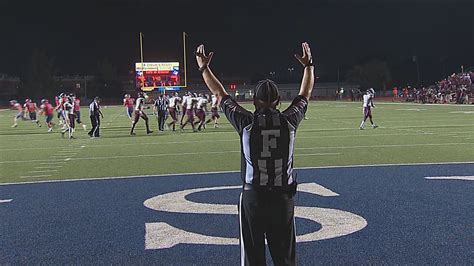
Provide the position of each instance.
(141, 52)
(141, 48)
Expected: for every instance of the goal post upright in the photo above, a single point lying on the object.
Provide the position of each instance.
(184, 35)
(184, 59)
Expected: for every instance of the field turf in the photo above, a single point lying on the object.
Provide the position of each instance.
(407, 133)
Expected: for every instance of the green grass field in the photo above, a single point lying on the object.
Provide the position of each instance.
(408, 133)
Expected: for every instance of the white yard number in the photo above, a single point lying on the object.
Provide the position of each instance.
(269, 141)
(161, 235)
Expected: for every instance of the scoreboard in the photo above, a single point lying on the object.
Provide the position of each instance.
(149, 76)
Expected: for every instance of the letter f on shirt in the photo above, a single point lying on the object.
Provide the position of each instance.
(269, 141)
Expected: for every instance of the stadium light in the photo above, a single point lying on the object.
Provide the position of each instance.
(290, 69)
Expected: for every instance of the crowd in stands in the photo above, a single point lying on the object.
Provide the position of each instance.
(457, 88)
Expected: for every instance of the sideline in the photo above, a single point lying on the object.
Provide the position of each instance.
(224, 172)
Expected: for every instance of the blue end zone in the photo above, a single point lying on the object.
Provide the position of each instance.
(411, 220)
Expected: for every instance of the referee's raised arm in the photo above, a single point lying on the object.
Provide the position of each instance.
(308, 75)
(214, 85)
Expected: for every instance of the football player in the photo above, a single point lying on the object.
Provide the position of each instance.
(20, 115)
(70, 118)
(214, 112)
(60, 109)
(172, 109)
(77, 110)
(140, 104)
(48, 110)
(31, 107)
(201, 109)
(190, 105)
(184, 107)
(128, 102)
(367, 105)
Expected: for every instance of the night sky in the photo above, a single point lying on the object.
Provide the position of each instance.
(249, 38)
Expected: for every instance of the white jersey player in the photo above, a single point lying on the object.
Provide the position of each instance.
(173, 109)
(70, 117)
(366, 106)
(190, 103)
(183, 106)
(201, 109)
(140, 104)
(214, 111)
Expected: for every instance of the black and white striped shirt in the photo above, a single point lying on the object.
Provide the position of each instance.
(94, 108)
(267, 141)
(162, 103)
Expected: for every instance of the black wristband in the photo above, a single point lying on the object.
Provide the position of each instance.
(201, 69)
(309, 64)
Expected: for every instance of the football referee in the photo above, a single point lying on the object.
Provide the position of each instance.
(95, 113)
(267, 136)
(159, 109)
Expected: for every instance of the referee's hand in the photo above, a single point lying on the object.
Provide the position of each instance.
(306, 59)
(202, 59)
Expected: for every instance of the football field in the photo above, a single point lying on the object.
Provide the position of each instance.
(407, 133)
(398, 194)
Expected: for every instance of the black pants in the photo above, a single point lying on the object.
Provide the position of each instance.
(161, 120)
(269, 215)
(95, 121)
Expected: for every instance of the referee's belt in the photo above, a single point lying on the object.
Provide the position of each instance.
(291, 189)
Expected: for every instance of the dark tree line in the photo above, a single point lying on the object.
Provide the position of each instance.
(38, 79)
(373, 74)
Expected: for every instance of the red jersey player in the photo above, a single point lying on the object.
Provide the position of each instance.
(47, 109)
(77, 110)
(31, 107)
(128, 103)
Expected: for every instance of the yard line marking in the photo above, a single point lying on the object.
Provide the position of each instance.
(468, 178)
(462, 112)
(318, 154)
(224, 172)
(6, 200)
(411, 109)
(423, 104)
(384, 146)
(43, 171)
(356, 128)
(46, 167)
(31, 176)
(53, 163)
(238, 151)
(225, 140)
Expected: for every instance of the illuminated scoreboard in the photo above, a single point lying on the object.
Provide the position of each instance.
(149, 76)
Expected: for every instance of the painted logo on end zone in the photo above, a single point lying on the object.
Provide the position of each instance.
(161, 235)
